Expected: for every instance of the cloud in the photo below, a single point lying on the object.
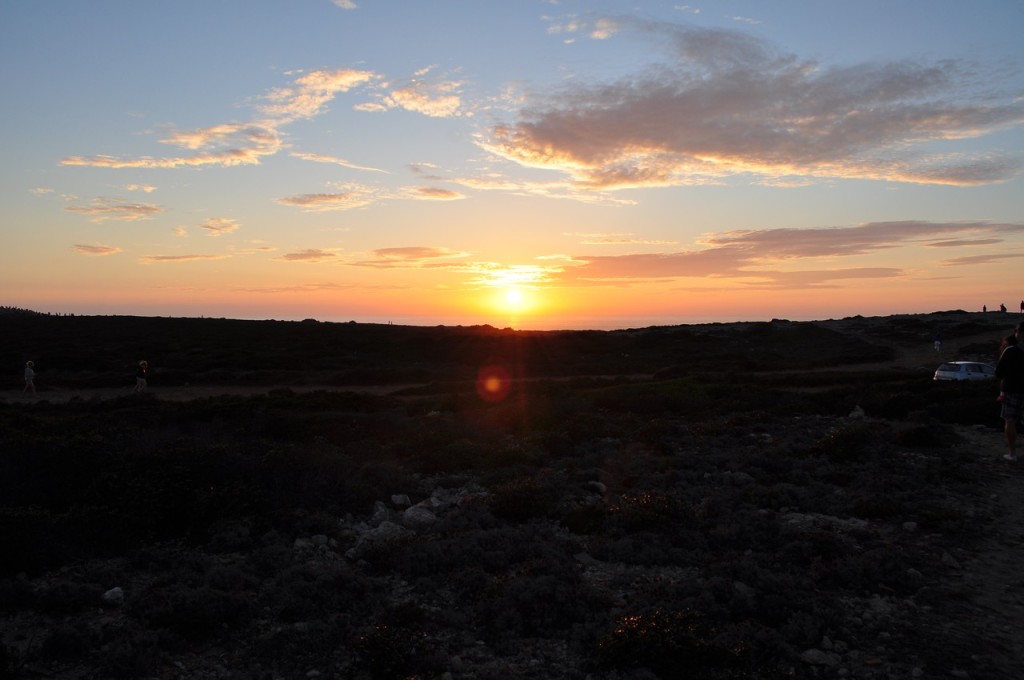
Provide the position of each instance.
(746, 256)
(971, 260)
(847, 241)
(436, 194)
(226, 145)
(234, 144)
(41, 191)
(145, 188)
(219, 225)
(95, 250)
(354, 197)
(431, 97)
(321, 158)
(153, 259)
(346, 4)
(310, 93)
(961, 243)
(726, 104)
(103, 209)
(411, 257)
(625, 239)
(300, 288)
(309, 255)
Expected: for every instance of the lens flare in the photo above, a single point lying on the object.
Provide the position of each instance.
(493, 383)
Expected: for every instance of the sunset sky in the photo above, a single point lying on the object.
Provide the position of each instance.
(525, 163)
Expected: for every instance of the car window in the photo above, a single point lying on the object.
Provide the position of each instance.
(952, 368)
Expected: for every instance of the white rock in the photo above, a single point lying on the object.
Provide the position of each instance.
(816, 657)
(418, 517)
(114, 596)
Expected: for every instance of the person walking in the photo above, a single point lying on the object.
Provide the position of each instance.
(1010, 370)
(140, 376)
(30, 377)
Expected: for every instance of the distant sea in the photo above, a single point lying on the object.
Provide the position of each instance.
(603, 323)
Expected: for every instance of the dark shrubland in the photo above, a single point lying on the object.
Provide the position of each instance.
(623, 512)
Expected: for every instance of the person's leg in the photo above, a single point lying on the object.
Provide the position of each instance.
(1013, 402)
(1011, 438)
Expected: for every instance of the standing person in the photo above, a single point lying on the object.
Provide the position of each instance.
(1022, 306)
(938, 342)
(140, 376)
(1008, 341)
(30, 377)
(1010, 370)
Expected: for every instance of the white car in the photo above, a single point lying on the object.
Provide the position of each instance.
(964, 370)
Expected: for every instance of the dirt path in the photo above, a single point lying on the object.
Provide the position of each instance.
(184, 393)
(987, 610)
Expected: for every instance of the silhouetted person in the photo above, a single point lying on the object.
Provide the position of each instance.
(140, 376)
(1010, 370)
(30, 377)
(1002, 308)
(984, 308)
(1008, 341)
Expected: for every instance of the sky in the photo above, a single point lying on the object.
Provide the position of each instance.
(534, 164)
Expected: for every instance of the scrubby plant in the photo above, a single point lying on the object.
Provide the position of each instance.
(194, 614)
(673, 643)
(390, 652)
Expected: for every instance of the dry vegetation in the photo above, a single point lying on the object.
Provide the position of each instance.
(679, 501)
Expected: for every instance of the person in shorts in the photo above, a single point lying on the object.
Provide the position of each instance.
(30, 377)
(140, 376)
(1010, 370)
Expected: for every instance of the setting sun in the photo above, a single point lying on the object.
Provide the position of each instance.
(514, 298)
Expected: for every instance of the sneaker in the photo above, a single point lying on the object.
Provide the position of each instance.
(1010, 458)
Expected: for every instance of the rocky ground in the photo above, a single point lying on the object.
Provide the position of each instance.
(942, 595)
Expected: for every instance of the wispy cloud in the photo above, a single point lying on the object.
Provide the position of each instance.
(322, 158)
(154, 259)
(216, 226)
(625, 239)
(354, 197)
(95, 250)
(233, 144)
(311, 92)
(435, 194)
(145, 188)
(411, 257)
(726, 104)
(971, 260)
(311, 255)
(430, 96)
(346, 4)
(103, 209)
(752, 257)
